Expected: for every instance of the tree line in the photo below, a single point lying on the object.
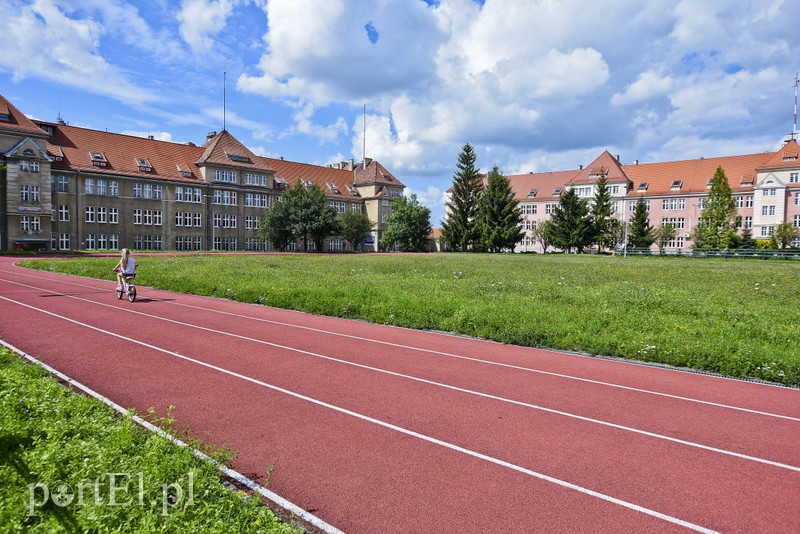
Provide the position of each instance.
(302, 214)
(487, 218)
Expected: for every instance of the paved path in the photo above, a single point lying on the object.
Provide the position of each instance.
(381, 429)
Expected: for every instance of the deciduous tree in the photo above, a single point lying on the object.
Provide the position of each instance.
(408, 227)
(355, 226)
(719, 216)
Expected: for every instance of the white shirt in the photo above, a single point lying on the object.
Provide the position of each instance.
(131, 267)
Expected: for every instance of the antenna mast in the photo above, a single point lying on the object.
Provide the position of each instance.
(796, 83)
(224, 97)
(364, 148)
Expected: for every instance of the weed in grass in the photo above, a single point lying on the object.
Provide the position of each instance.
(68, 463)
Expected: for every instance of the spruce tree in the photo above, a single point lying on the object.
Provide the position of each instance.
(641, 234)
(601, 215)
(458, 229)
(571, 225)
(499, 216)
(719, 216)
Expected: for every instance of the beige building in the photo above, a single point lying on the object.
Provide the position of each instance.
(70, 188)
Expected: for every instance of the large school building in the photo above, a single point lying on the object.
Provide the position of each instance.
(766, 187)
(70, 188)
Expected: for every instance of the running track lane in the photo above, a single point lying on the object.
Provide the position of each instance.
(380, 429)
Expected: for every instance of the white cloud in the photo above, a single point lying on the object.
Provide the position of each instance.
(649, 85)
(201, 20)
(72, 54)
(160, 136)
(306, 126)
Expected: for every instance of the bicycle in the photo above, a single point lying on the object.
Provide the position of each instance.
(128, 287)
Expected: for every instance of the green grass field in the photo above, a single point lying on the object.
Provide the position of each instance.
(59, 450)
(736, 317)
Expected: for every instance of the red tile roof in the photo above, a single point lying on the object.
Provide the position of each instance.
(121, 152)
(545, 184)
(17, 121)
(694, 174)
(292, 171)
(225, 149)
(375, 173)
(786, 157)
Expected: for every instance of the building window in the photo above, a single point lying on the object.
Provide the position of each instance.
(63, 184)
(797, 199)
(794, 178)
(90, 214)
(137, 190)
(24, 193)
(102, 242)
(63, 213)
(767, 231)
(63, 242)
(339, 206)
(88, 186)
(158, 218)
(137, 217)
(101, 187)
(225, 176)
(113, 188)
(89, 242)
(113, 241)
(549, 208)
(102, 215)
(113, 216)
(797, 221)
(748, 222)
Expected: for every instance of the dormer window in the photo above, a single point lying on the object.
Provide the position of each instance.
(676, 185)
(643, 186)
(307, 183)
(747, 181)
(5, 116)
(238, 158)
(710, 181)
(532, 193)
(98, 159)
(353, 190)
(556, 191)
(789, 156)
(184, 171)
(386, 177)
(144, 165)
(333, 188)
(58, 154)
(280, 182)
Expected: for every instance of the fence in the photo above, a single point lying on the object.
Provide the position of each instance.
(782, 254)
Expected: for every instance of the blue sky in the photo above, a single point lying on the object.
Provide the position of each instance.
(534, 86)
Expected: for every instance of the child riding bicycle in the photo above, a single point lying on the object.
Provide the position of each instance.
(125, 267)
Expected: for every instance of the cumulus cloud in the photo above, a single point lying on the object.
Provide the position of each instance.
(201, 20)
(649, 85)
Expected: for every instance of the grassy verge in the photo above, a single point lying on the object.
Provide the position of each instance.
(737, 317)
(69, 463)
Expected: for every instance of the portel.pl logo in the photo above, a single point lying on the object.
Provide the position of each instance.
(113, 489)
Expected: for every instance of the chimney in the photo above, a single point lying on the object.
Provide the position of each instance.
(151, 137)
(580, 167)
(351, 163)
(636, 162)
(617, 157)
(210, 135)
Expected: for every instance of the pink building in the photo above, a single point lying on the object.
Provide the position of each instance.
(766, 187)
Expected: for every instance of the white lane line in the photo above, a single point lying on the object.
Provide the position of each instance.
(469, 358)
(450, 387)
(384, 424)
(273, 497)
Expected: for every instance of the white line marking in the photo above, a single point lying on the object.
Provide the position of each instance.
(465, 358)
(283, 503)
(384, 424)
(454, 388)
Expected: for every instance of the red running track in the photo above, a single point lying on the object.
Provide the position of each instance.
(383, 429)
